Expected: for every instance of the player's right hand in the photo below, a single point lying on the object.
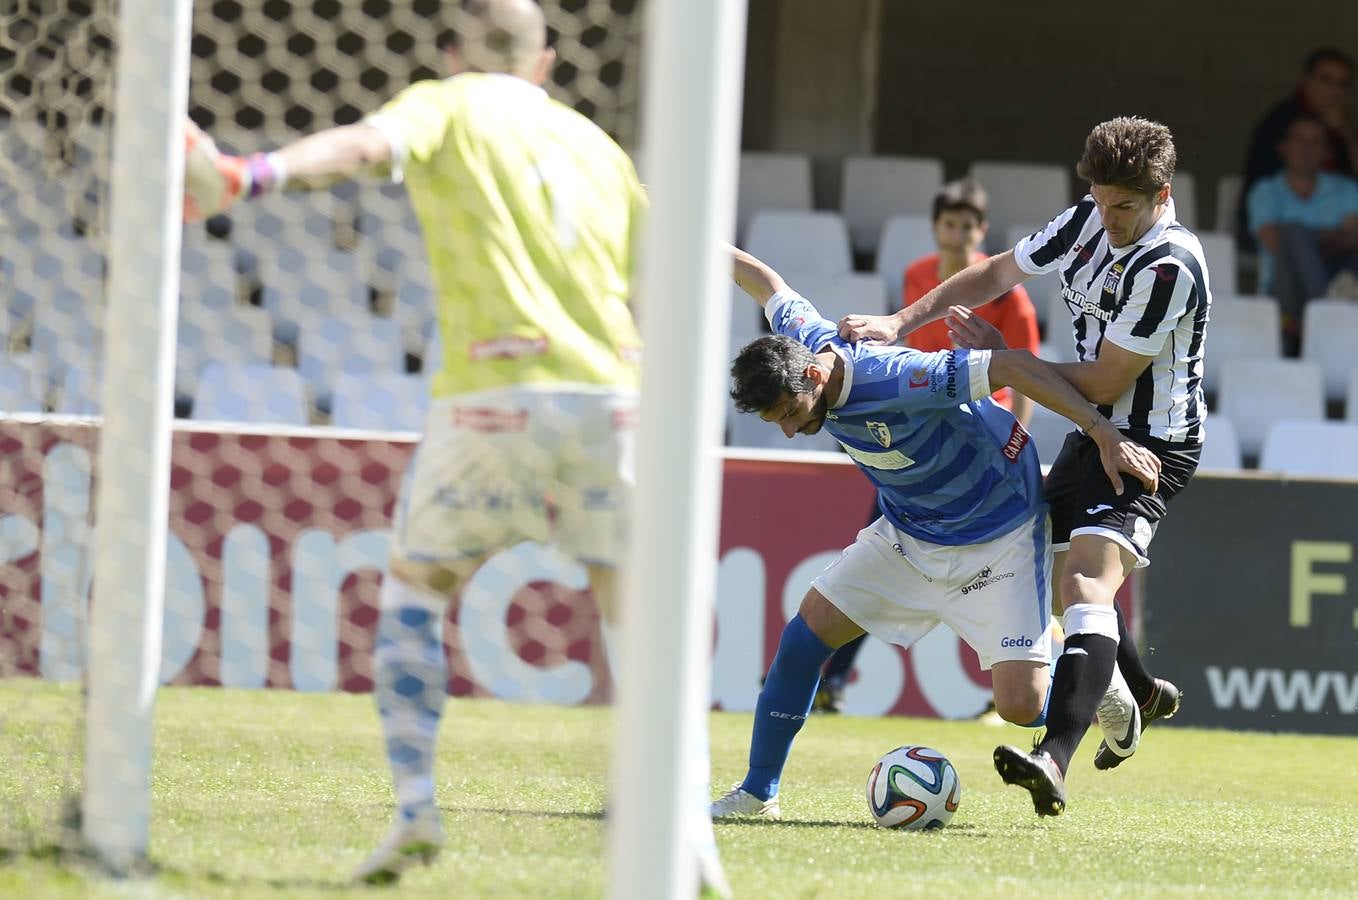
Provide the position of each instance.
(212, 180)
(873, 329)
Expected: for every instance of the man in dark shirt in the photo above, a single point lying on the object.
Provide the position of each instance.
(1323, 93)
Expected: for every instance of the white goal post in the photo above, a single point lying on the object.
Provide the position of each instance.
(694, 59)
(133, 496)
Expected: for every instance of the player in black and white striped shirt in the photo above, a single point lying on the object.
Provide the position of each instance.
(1137, 287)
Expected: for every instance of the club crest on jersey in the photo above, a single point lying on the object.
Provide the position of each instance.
(919, 378)
(1110, 283)
(881, 432)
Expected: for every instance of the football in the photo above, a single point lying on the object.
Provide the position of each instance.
(914, 788)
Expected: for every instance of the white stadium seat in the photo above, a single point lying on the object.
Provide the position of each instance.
(359, 345)
(80, 391)
(808, 242)
(1184, 190)
(19, 387)
(207, 269)
(1221, 450)
(875, 188)
(66, 329)
(1048, 430)
(255, 394)
(1228, 203)
(236, 335)
(1311, 448)
(1240, 328)
(1060, 342)
(1021, 193)
(747, 321)
(1351, 401)
(1219, 249)
(838, 295)
(379, 401)
(905, 238)
(1329, 337)
(771, 181)
(1257, 393)
(300, 289)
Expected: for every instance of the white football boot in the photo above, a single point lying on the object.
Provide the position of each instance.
(737, 802)
(410, 842)
(1120, 718)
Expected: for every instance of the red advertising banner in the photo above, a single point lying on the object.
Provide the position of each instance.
(278, 540)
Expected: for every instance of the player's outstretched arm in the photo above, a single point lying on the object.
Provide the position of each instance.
(1029, 375)
(213, 181)
(754, 277)
(973, 286)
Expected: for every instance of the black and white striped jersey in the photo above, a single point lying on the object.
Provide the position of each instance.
(1151, 298)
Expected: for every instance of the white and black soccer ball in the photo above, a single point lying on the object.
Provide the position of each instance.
(915, 788)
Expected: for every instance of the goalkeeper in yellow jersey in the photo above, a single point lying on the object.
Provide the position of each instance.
(530, 217)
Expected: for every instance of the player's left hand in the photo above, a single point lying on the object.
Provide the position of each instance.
(1119, 454)
(971, 332)
(212, 180)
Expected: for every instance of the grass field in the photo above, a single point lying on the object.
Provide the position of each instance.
(276, 794)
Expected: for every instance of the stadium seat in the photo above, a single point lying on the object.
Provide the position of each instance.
(1228, 203)
(813, 243)
(1329, 337)
(65, 330)
(1255, 394)
(838, 295)
(234, 335)
(1219, 249)
(379, 401)
(1041, 288)
(412, 302)
(1184, 190)
(875, 188)
(771, 181)
(358, 345)
(747, 322)
(19, 387)
(80, 392)
(1311, 448)
(1221, 450)
(1240, 328)
(1021, 193)
(252, 393)
(1351, 399)
(208, 273)
(905, 238)
(1049, 430)
(1060, 340)
(300, 290)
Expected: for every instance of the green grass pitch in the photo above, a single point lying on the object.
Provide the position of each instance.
(276, 794)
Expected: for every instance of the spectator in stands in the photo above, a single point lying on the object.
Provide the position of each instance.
(959, 229)
(1324, 93)
(1306, 223)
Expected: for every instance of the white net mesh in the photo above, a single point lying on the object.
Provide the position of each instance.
(296, 311)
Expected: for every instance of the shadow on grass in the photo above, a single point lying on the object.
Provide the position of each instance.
(964, 830)
(597, 815)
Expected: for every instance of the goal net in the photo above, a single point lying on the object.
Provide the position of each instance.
(303, 347)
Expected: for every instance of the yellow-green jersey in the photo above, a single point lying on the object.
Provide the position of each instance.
(529, 213)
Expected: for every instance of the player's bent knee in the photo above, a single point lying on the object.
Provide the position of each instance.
(1020, 710)
(826, 621)
(1020, 690)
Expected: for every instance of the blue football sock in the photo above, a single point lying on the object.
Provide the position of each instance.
(1046, 702)
(410, 686)
(783, 705)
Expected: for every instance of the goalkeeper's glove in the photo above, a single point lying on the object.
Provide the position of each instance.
(213, 180)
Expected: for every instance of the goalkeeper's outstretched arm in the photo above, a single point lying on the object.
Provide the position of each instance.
(213, 181)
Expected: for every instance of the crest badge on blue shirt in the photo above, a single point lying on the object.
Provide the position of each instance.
(880, 431)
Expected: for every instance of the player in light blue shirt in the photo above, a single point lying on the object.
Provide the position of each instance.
(963, 538)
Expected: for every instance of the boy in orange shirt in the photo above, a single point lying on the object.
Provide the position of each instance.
(959, 228)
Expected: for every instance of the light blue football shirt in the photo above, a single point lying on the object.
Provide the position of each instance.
(950, 465)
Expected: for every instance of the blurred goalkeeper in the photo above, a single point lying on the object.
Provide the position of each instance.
(529, 212)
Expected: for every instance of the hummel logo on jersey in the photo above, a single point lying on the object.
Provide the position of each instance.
(880, 431)
(1083, 304)
(1095, 510)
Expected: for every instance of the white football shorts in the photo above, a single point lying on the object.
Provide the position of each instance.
(503, 466)
(996, 596)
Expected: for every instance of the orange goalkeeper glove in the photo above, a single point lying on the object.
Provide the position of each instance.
(213, 180)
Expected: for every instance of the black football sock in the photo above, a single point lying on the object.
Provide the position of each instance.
(1139, 680)
(1082, 675)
